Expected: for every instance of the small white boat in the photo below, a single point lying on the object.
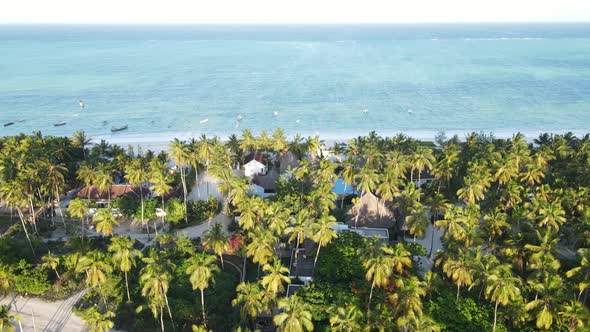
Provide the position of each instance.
(297, 121)
(275, 113)
(204, 121)
(365, 111)
(81, 103)
(239, 117)
(410, 111)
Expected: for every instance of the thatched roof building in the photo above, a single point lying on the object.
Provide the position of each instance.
(371, 212)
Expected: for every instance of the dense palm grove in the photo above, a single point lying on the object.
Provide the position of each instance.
(514, 217)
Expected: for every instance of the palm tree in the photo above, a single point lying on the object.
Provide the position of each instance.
(51, 262)
(98, 322)
(348, 176)
(345, 319)
(201, 269)
(87, 175)
(95, 268)
(178, 152)
(104, 221)
(295, 315)
(276, 276)
(417, 222)
(160, 187)
(55, 180)
(459, 269)
(104, 181)
(378, 263)
(299, 229)
(421, 159)
(80, 140)
(424, 324)
(323, 233)
(78, 209)
(5, 319)
(576, 315)
(407, 302)
(582, 271)
(261, 246)
(551, 215)
(215, 240)
(136, 174)
(6, 282)
(124, 257)
(250, 298)
(155, 278)
(496, 224)
(502, 288)
(14, 197)
(367, 180)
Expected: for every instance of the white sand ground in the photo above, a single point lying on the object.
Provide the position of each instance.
(41, 316)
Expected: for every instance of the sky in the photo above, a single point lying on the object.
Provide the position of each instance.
(291, 11)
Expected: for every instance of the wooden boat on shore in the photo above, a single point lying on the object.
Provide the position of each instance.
(115, 129)
(10, 123)
(59, 124)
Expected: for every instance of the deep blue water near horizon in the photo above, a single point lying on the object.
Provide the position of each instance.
(419, 79)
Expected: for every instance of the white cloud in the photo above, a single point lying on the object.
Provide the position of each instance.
(293, 11)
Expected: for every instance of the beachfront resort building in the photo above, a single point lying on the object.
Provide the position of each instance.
(117, 190)
(256, 165)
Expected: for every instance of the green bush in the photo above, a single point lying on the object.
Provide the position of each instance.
(149, 209)
(199, 211)
(127, 205)
(175, 211)
(339, 261)
(29, 280)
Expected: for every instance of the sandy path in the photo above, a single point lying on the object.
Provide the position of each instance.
(48, 316)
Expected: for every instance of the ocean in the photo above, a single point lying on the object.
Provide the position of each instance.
(335, 80)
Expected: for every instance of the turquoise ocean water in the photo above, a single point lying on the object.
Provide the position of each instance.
(163, 81)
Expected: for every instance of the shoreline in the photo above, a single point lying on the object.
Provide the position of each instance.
(159, 141)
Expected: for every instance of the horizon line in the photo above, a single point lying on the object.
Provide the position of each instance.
(292, 23)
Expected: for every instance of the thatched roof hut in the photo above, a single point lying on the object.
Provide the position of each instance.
(371, 212)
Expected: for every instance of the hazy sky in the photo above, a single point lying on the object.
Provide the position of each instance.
(291, 11)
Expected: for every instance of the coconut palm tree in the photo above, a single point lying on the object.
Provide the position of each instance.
(417, 222)
(155, 280)
(460, 270)
(367, 180)
(250, 298)
(6, 319)
(51, 262)
(502, 288)
(136, 173)
(421, 159)
(378, 263)
(104, 181)
(6, 282)
(97, 321)
(575, 314)
(78, 209)
(424, 324)
(551, 215)
(323, 233)
(215, 240)
(55, 181)
(345, 319)
(261, 246)
(104, 221)
(496, 225)
(581, 271)
(276, 276)
(87, 175)
(80, 140)
(295, 315)
(14, 197)
(348, 175)
(201, 269)
(124, 257)
(95, 268)
(179, 154)
(299, 229)
(160, 187)
(407, 302)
